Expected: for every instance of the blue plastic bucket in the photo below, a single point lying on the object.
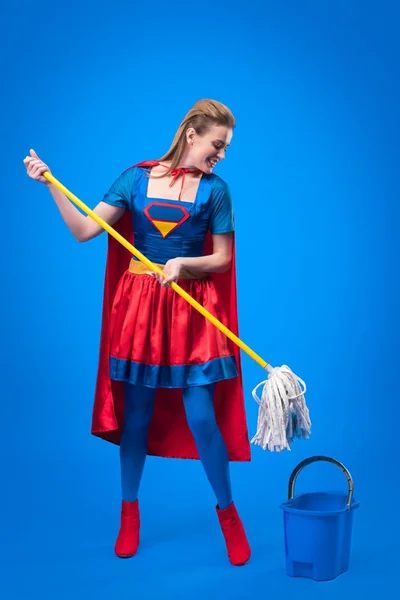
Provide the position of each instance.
(318, 528)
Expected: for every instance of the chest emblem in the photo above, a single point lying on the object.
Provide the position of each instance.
(166, 217)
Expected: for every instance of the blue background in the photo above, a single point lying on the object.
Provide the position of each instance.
(313, 172)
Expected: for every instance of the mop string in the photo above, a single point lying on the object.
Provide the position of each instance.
(153, 267)
(268, 381)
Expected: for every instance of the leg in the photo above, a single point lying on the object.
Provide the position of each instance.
(199, 406)
(139, 404)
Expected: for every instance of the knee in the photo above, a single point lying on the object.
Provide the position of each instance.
(138, 410)
(199, 408)
(201, 425)
(137, 419)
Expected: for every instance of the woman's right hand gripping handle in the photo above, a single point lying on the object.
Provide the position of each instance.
(35, 167)
(81, 226)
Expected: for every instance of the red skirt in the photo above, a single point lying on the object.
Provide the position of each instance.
(157, 339)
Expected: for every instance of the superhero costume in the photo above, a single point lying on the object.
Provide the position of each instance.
(169, 383)
(151, 336)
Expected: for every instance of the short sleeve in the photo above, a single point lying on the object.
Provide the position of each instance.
(120, 192)
(221, 214)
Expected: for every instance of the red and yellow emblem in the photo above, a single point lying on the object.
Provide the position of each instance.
(166, 217)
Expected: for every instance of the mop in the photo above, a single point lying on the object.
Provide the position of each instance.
(283, 415)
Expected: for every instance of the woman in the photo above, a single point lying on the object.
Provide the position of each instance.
(169, 383)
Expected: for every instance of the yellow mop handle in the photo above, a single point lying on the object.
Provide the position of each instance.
(153, 267)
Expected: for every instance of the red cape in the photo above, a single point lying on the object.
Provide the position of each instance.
(169, 435)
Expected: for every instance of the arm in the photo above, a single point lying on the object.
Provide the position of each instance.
(82, 227)
(221, 227)
(217, 262)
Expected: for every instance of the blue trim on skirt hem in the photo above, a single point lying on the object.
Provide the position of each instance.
(176, 376)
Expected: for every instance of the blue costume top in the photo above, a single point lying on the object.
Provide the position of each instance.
(166, 229)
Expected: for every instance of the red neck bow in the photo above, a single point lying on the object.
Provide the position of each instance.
(175, 172)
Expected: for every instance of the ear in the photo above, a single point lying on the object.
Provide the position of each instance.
(190, 135)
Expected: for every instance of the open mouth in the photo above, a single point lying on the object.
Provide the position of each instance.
(212, 162)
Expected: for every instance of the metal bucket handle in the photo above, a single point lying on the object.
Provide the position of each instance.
(333, 461)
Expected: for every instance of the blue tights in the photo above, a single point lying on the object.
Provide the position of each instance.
(199, 407)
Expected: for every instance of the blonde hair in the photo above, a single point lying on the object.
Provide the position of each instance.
(201, 117)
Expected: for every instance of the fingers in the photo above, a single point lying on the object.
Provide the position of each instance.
(39, 169)
(168, 280)
(35, 162)
(29, 159)
(160, 278)
(35, 167)
(171, 272)
(157, 276)
(164, 281)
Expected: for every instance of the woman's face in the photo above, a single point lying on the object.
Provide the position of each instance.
(207, 149)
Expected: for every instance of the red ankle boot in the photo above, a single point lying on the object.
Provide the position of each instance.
(235, 537)
(128, 537)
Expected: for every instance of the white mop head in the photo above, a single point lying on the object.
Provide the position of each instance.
(283, 414)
